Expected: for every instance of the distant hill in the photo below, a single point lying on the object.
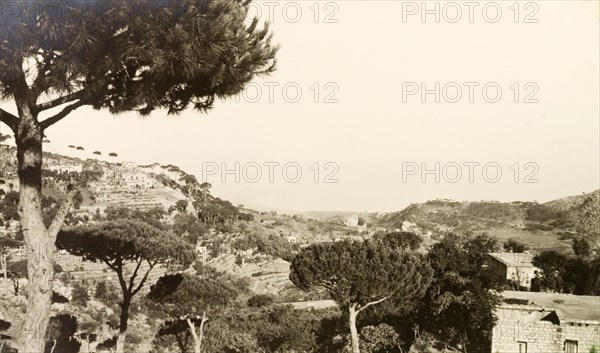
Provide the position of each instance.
(541, 226)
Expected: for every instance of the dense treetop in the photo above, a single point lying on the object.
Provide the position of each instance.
(132, 55)
(123, 239)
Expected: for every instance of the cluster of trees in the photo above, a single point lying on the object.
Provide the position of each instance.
(447, 294)
(269, 244)
(391, 296)
(566, 274)
(215, 211)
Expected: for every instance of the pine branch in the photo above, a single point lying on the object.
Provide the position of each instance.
(371, 303)
(134, 275)
(9, 119)
(62, 100)
(60, 216)
(62, 114)
(143, 279)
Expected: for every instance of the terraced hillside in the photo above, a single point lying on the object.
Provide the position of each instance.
(268, 276)
(142, 199)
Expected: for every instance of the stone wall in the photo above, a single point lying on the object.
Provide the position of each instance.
(523, 324)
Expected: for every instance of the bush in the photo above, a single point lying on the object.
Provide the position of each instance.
(380, 339)
(513, 245)
(80, 295)
(58, 298)
(107, 293)
(261, 300)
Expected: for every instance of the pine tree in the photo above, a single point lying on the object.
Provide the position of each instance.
(361, 274)
(58, 56)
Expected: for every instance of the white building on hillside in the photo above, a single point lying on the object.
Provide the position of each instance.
(138, 181)
(351, 221)
(516, 267)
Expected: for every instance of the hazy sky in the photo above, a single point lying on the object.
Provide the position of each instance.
(356, 68)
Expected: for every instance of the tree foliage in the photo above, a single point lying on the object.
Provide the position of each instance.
(458, 306)
(360, 274)
(60, 336)
(115, 242)
(513, 245)
(187, 300)
(188, 226)
(184, 294)
(380, 339)
(401, 240)
(152, 216)
(136, 55)
(566, 274)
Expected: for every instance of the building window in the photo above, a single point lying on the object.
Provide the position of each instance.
(570, 346)
(522, 347)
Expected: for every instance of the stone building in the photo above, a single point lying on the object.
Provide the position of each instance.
(516, 267)
(137, 181)
(547, 323)
(351, 221)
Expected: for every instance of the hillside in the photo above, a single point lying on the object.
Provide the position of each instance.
(542, 226)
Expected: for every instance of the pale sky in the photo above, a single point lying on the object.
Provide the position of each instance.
(373, 138)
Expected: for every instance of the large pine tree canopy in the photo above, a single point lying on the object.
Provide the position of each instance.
(361, 272)
(130, 55)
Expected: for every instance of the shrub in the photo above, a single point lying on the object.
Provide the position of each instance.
(260, 300)
(107, 293)
(80, 295)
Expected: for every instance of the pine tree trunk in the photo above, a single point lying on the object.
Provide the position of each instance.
(123, 325)
(204, 320)
(40, 248)
(353, 331)
(195, 337)
(53, 346)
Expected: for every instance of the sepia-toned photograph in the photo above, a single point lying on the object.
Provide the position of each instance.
(299, 176)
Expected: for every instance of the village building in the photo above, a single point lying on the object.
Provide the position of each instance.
(516, 267)
(138, 181)
(291, 239)
(530, 322)
(202, 251)
(351, 221)
(65, 168)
